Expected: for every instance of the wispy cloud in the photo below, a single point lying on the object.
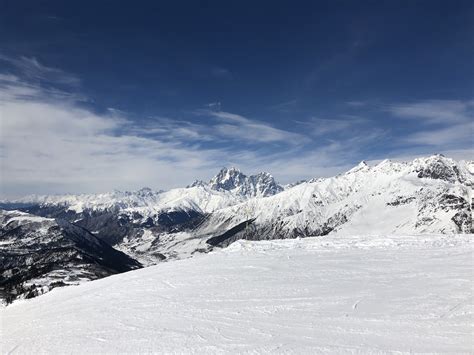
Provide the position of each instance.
(233, 126)
(219, 127)
(459, 134)
(443, 124)
(32, 69)
(435, 111)
(14, 88)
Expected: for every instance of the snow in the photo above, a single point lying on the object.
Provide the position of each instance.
(364, 196)
(343, 294)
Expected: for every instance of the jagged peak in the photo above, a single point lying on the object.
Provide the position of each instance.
(227, 179)
(359, 167)
(232, 179)
(225, 171)
(437, 166)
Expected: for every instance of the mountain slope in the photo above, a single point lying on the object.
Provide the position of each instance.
(38, 254)
(370, 295)
(429, 195)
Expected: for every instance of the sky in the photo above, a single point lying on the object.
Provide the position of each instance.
(103, 95)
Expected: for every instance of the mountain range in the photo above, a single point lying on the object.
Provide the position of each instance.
(95, 235)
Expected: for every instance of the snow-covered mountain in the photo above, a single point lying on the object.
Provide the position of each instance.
(426, 195)
(38, 254)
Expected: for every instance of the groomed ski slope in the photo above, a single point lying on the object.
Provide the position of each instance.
(338, 295)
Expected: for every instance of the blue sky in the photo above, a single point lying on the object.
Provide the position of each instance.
(97, 95)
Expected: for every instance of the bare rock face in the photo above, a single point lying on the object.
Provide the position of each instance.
(437, 167)
(261, 185)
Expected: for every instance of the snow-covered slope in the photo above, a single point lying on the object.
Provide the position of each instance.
(355, 295)
(38, 254)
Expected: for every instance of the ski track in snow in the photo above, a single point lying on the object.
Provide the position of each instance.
(316, 295)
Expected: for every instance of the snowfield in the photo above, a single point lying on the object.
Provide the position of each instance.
(358, 294)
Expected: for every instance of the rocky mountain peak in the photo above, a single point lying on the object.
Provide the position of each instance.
(265, 185)
(232, 179)
(437, 167)
(228, 179)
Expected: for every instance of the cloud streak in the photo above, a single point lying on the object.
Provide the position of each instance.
(233, 126)
(32, 69)
(443, 124)
(435, 111)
